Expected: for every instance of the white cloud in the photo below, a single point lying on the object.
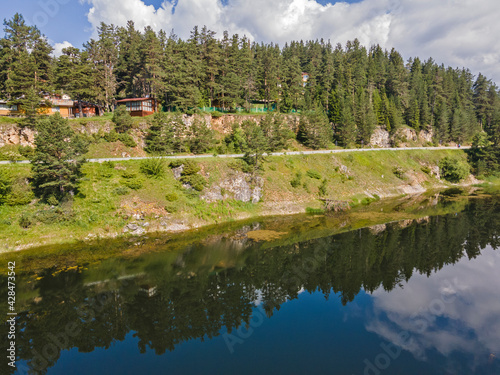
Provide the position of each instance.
(58, 47)
(465, 295)
(454, 32)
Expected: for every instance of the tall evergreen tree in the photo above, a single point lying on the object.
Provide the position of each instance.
(57, 159)
(314, 129)
(73, 75)
(160, 137)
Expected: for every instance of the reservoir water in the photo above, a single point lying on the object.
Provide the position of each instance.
(409, 288)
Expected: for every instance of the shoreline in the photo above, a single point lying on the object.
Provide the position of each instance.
(282, 213)
(358, 178)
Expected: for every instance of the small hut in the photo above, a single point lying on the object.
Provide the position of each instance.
(139, 107)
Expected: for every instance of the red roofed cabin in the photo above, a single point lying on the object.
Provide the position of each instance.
(139, 107)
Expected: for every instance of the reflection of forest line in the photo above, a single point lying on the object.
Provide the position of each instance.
(212, 286)
(298, 227)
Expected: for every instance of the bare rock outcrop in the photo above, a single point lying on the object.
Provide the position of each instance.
(239, 186)
(380, 138)
(15, 135)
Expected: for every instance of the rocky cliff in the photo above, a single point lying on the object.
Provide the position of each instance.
(12, 134)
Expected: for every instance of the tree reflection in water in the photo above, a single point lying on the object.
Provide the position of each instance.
(196, 293)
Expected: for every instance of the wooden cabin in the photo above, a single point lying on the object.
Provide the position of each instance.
(139, 107)
(8, 110)
(62, 104)
(88, 109)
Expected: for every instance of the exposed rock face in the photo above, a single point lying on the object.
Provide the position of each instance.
(376, 229)
(173, 226)
(14, 135)
(425, 136)
(224, 123)
(239, 186)
(178, 171)
(406, 134)
(435, 171)
(405, 223)
(380, 138)
(92, 127)
(134, 229)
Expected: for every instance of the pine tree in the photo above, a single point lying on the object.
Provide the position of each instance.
(103, 55)
(26, 66)
(481, 99)
(255, 144)
(129, 61)
(201, 137)
(73, 75)
(160, 137)
(248, 72)
(151, 74)
(314, 129)
(57, 159)
(276, 131)
(122, 119)
(210, 54)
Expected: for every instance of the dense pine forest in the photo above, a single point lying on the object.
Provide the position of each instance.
(356, 87)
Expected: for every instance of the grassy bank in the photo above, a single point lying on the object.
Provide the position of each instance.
(112, 193)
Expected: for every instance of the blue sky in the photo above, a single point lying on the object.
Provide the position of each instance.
(458, 33)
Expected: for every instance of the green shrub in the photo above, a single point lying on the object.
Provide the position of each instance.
(190, 168)
(52, 216)
(128, 174)
(5, 222)
(175, 163)
(398, 172)
(426, 169)
(306, 187)
(171, 208)
(323, 188)
(217, 114)
(121, 190)
(314, 211)
(52, 201)
(153, 167)
(108, 164)
(454, 169)
(105, 172)
(132, 183)
(240, 165)
(367, 200)
(196, 181)
(112, 136)
(5, 186)
(127, 140)
(172, 197)
(313, 174)
(26, 220)
(121, 118)
(272, 167)
(297, 180)
(26, 151)
(20, 194)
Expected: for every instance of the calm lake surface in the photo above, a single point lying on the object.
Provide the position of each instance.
(362, 293)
